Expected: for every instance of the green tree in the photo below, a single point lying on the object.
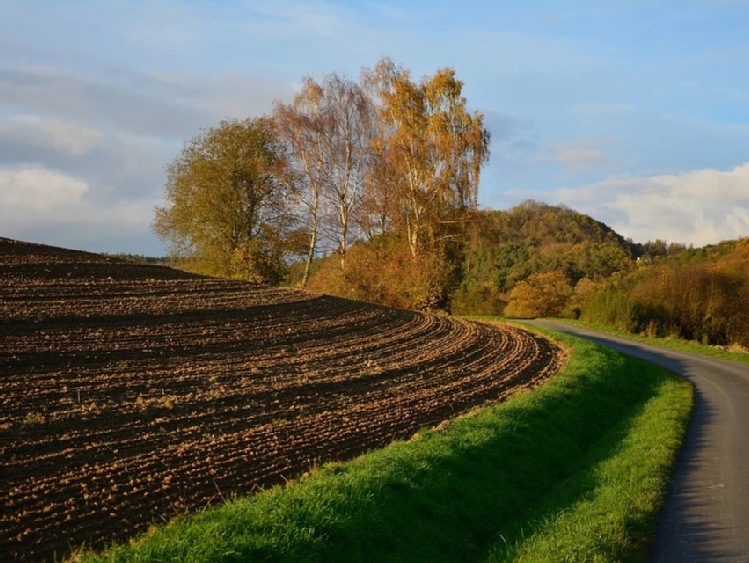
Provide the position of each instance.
(226, 207)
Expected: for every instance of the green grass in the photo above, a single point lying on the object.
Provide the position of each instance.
(671, 343)
(573, 471)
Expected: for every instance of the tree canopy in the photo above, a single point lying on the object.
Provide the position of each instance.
(384, 168)
(328, 129)
(418, 193)
(431, 151)
(387, 166)
(226, 206)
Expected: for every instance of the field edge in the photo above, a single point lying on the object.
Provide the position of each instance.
(616, 519)
(395, 503)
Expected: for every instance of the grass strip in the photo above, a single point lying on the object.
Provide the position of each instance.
(671, 343)
(607, 512)
(508, 481)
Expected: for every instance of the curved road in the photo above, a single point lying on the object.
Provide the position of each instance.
(706, 516)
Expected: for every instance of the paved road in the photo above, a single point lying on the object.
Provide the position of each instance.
(706, 517)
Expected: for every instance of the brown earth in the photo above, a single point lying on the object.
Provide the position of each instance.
(132, 393)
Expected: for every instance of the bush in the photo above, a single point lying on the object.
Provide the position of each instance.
(384, 271)
(479, 299)
(609, 305)
(541, 295)
(699, 295)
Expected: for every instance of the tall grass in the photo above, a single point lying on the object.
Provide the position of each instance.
(575, 470)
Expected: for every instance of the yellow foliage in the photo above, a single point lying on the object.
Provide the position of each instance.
(541, 295)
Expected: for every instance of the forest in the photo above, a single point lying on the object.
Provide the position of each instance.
(368, 190)
(538, 260)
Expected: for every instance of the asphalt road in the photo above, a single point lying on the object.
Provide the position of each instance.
(706, 517)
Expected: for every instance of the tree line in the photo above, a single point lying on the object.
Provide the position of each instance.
(694, 293)
(347, 187)
(538, 260)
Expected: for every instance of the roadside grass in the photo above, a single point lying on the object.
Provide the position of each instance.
(573, 471)
(671, 343)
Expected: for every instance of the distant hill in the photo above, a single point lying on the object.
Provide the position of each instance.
(539, 260)
(535, 238)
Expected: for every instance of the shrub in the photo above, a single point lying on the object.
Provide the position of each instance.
(481, 299)
(541, 295)
(384, 271)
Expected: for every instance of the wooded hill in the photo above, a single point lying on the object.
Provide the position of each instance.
(536, 243)
(542, 260)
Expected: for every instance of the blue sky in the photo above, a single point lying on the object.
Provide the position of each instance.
(636, 113)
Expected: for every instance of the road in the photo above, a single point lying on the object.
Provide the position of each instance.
(706, 516)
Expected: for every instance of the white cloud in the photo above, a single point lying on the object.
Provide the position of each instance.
(712, 185)
(81, 154)
(699, 207)
(48, 206)
(69, 138)
(37, 196)
(33, 190)
(114, 165)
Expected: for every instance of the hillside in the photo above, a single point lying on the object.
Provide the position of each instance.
(538, 260)
(131, 393)
(535, 238)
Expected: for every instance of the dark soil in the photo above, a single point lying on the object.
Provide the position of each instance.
(132, 393)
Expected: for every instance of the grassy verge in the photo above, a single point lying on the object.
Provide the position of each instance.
(671, 343)
(575, 470)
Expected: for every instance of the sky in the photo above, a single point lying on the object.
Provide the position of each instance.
(635, 112)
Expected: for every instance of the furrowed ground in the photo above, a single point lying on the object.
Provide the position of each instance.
(132, 393)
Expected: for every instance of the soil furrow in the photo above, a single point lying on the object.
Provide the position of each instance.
(132, 393)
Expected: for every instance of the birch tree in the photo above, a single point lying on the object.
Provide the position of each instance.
(348, 134)
(435, 144)
(329, 126)
(299, 124)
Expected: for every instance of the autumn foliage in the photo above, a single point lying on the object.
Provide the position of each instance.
(384, 271)
(226, 206)
(368, 189)
(381, 174)
(700, 294)
(388, 180)
(543, 294)
(530, 258)
(538, 260)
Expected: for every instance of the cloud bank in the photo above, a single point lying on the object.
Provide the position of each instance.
(82, 159)
(697, 207)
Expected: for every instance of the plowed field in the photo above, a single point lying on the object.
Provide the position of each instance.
(131, 393)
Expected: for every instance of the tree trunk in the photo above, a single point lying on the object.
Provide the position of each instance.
(310, 255)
